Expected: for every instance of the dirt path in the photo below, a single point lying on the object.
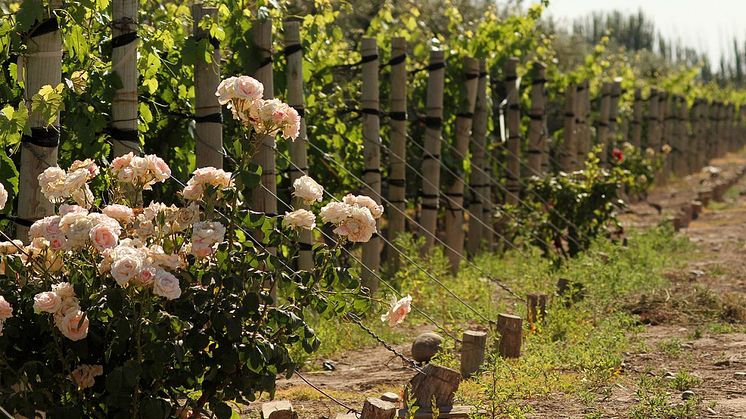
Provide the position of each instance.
(675, 345)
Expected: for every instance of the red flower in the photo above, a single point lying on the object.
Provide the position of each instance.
(617, 155)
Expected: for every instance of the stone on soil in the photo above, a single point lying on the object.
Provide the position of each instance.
(425, 346)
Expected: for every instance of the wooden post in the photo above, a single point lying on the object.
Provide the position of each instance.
(43, 66)
(681, 166)
(398, 152)
(616, 93)
(536, 137)
(473, 345)
(663, 112)
(510, 329)
(568, 152)
(374, 408)
(636, 139)
(513, 122)
(123, 129)
(582, 116)
(371, 155)
(669, 136)
(299, 147)
(602, 125)
(478, 180)
(208, 122)
(702, 134)
(264, 199)
(434, 382)
(653, 133)
(431, 157)
(454, 215)
(712, 131)
(536, 307)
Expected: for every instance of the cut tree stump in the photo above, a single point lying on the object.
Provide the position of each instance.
(537, 307)
(572, 292)
(374, 408)
(436, 382)
(278, 409)
(511, 332)
(472, 351)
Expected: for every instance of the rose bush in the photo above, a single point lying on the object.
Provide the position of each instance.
(120, 307)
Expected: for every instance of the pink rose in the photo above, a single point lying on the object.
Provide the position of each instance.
(121, 213)
(6, 310)
(166, 285)
(248, 88)
(359, 227)
(398, 311)
(104, 236)
(48, 302)
(74, 325)
(125, 268)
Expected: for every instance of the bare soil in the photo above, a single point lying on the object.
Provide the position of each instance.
(675, 338)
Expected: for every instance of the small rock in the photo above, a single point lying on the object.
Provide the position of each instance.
(687, 345)
(390, 397)
(740, 375)
(695, 274)
(425, 346)
(669, 375)
(711, 411)
(722, 363)
(329, 365)
(687, 395)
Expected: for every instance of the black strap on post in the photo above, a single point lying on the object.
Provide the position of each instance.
(292, 49)
(124, 135)
(216, 118)
(398, 116)
(433, 122)
(47, 26)
(123, 39)
(43, 137)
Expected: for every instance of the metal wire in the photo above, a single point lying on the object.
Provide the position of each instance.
(327, 395)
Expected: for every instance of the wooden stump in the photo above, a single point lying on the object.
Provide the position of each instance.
(278, 409)
(511, 332)
(537, 307)
(472, 351)
(374, 408)
(436, 382)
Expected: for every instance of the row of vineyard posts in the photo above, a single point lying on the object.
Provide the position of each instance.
(695, 133)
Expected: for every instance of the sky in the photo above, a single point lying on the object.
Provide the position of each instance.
(708, 26)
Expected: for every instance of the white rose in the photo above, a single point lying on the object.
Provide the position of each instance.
(308, 189)
(63, 290)
(366, 202)
(121, 213)
(359, 227)
(335, 212)
(124, 268)
(300, 219)
(3, 196)
(166, 285)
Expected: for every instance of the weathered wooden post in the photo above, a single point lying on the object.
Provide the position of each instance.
(682, 139)
(602, 125)
(536, 137)
(616, 93)
(431, 157)
(478, 180)
(700, 157)
(582, 116)
(454, 215)
(536, 305)
(669, 136)
(123, 128)
(298, 148)
(208, 118)
(43, 66)
(473, 346)
(513, 169)
(654, 116)
(398, 150)
(264, 197)
(568, 152)
(636, 138)
(371, 155)
(510, 329)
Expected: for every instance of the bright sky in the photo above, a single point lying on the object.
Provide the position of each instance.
(705, 25)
